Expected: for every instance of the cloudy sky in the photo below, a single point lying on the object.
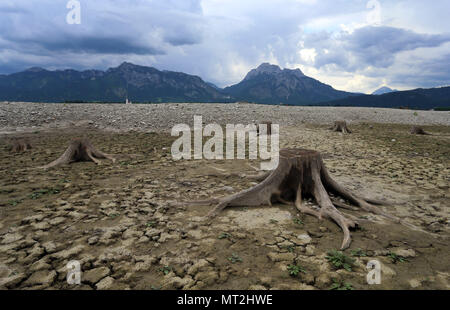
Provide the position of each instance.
(353, 45)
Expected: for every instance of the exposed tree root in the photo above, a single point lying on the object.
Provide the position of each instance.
(341, 126)
(416, 130)
(20, 145)
(80, 150)
(300, 173)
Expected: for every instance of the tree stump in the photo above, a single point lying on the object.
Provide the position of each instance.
(301, 173)
(80, 150)
(20, 145)
(268, 126)
(416, 130)
(341, 126)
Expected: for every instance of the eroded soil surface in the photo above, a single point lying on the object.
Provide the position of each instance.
(122, 222)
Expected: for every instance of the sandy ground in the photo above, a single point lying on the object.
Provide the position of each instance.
(120, 220)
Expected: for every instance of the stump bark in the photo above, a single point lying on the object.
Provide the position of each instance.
(341, 126)
(416, 130)
(79, 150)
(20, 145)
(301, 173)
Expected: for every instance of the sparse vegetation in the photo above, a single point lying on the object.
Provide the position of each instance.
(165, 270)
(295, 270)
(339, 260)
(225, 235)
(396, 258)
(234, 258)
(359, 253)
(341, 286)
(298, 221)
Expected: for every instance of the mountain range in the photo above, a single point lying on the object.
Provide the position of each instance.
(267, 84)
(138, 83)
(384, 90)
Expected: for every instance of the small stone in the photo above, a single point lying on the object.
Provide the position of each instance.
(279, 257)
(105, 284)
(41, 277)
(256, 287)
(11, 237)
(93, 240)
(404, 252)
(414, 283)
(95, 275)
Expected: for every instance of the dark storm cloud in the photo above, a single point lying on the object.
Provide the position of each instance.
(369, 46)
(221, 40)
(136, 27)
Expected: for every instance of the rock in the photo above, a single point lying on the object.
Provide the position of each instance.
(93, 240)
(256, 287)
(414, 283)
(323, 280)
(66, 254)
(195, 234)
(177, 283)
(95, 275)
(166, 236)
(153, 232)
(57, 221)
(308, 278)
(130, 233)
(302, 239)
(49, 247)
(310, 249)
(105, 284)
(404, 252)
(207, 277)
(11, 237)
(11, 281)
(144, 263)
(202, 263)
(267, 281)
(41, 277)
(280, 257)
(143, 239)
(387, 272)
(42, 264)
(41, 226)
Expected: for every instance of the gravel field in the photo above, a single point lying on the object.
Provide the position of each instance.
(162, 117)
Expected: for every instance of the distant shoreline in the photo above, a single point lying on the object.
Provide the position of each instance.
(20, 116)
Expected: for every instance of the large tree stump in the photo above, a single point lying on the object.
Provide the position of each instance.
(80, 150)
(20, 145)
(341, 126)
(301, 173)
(416, 130)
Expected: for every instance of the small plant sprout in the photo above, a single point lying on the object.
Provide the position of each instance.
(151, 224)
(359, 253)
(224, 235)
(297, 221)
(234, 258)
(294, 270)
(341, 286)
(166, 270)
(339, 260)
(396, 258)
